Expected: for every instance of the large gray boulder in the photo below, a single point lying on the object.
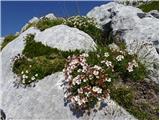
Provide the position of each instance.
(137, 29)
(66, 38)
(45, 101)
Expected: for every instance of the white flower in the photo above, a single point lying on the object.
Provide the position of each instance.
(97, 77)
(72, 100)
(65, 95)
(95, 72)
(26, 71)
(85, 55)
(69, 78)
(80, 90)
(135, 64)
(120, 57)
(106, 54)
(80, 102)
(97, 89)
(22, 72)
(108, 79)
(84, 100)
(102, 61)
(84, 80)
(130, 52)
(78, 82)
(98, 55)
(75, 61)
(76, 98)
(26, 77)
(83, 60)
(123, 52)
(23, 81)
(73, 67)
(33, 78)
(36, 75)
(108, 63)
(30, 66)
(63, 70)
(79, 70)
(97, 67)
(90, 77)
(87, 94)
(130, 67)
(23, 76)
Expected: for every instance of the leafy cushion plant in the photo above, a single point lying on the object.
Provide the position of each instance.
(89, 75)
(7, 39)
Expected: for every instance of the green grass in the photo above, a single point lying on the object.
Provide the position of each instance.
(7, 39)
(153, 5)
(128, 96)
(45, 23)
(38, 65)
(40, 59)
(120, 68)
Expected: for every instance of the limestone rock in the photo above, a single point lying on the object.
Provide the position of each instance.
(2, 115)
(33, 20)
(154, 13)
(50, 16)
(137, 29)
(66, 38)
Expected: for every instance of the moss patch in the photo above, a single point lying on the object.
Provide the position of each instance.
(7, 39)
(153, 5)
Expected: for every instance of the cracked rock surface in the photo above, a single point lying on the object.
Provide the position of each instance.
(139, 30)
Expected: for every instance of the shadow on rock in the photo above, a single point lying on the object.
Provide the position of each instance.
(2, 115)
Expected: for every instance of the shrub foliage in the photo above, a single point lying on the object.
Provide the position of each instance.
(7, 39)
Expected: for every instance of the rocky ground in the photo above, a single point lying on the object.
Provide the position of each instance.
(137, 29)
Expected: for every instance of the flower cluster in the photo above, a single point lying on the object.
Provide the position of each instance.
(131, 65)
(25, 74)
(26, 78)
(79, 22)
(85, 84)
(120, 57)
(89, 76)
